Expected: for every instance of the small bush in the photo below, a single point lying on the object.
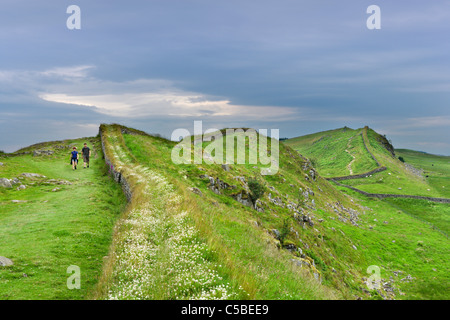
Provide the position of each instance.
(401, 159)
(284, 231)
(256, 189)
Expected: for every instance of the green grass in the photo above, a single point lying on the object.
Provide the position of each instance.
(335, 152)
(240, 235)
(419, 249)
(436, 169)
(261, 269)
(168, 239)
(54, 230)
(436, 214)
(326, 148)
(418, 227)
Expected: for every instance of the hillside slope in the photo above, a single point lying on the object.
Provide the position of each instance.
(375, 168)
(302, 239)
(52, 217)
(210, 231)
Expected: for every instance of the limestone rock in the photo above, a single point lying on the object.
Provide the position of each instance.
(243, 198)
(14, 181)
(196, 191)
(5, 183)
(37, 153)
(5, 262)
(33, 175)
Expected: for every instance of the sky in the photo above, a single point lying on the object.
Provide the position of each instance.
(159, 65)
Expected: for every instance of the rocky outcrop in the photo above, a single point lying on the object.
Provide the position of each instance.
(307, 262)
(196, 191)
(217, 185)
(5, 183)
(37, 153)
(5, 262)
(244, 198)
(33, 175)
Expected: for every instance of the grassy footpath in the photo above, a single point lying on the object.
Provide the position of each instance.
(231, 256)
(55, 229)
(413, 258)
(179, 238)
(246, 256)
(335, 152)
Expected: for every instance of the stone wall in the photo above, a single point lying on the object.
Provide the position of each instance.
(365, 145)
(117, 175)
(358, 176)
(383, 195)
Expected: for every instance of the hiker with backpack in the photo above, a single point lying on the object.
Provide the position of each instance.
(74, 158)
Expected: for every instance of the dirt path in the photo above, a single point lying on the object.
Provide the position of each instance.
(349, 166)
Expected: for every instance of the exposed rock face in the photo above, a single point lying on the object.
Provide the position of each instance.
(196, 191)
(308, 263)
(5, 262)
(217, 185)
(244, 198)
(5, 183)
(33, 175)
(386, 144)
(276, 201)
(57, 182)
(259, 206)
(37, 153)
(312, 174)
(15, 181)
(345, 214)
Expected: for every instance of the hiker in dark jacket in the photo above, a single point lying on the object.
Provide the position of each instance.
(86, 155)
(74, 158)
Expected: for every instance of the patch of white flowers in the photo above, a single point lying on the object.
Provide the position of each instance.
(159, 254)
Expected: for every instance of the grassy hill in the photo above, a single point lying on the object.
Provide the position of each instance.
(330, 152)
(435, 168)
(61, 218)
(213, 231)
(418, 174)
(335, 153)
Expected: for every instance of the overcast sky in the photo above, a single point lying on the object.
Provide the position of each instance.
(158, 65)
